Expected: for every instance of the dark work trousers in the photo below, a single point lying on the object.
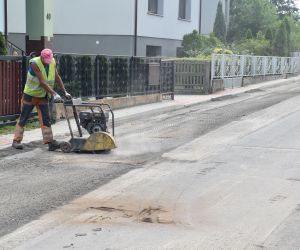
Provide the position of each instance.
(42, 107)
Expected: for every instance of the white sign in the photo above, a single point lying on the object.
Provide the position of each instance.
(2, 16)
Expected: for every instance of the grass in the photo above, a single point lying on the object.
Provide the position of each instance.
(9, 129)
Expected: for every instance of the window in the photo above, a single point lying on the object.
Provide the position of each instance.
(153, 50)
(155, 7)
(184, 10)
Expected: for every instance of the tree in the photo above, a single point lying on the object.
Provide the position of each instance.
(295, 35)
(3, 50)
(256, 15)
(288, 32)
(192, 43)
(195, 44)
(260, 36)
(220, 24)
(281, 43)
(260, 47)
(249, 34)
(269, 35)
(286, 8)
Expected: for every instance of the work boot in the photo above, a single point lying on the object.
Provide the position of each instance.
(17, 145)
(52, 146)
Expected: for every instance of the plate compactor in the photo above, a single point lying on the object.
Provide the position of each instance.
(94, 119)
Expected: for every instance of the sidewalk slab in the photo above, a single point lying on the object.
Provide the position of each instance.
(60, 129)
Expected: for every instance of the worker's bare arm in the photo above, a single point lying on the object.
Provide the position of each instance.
(59, 82)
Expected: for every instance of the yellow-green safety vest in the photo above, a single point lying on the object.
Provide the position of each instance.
(33, 86)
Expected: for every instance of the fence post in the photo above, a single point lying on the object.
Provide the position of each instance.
(161, 78)
(173, 80)
(274, 62)
(265, 65)
(223, 66)
(242, 65)
(131, 69)
(254, 65)
(108, 83)
(213, 65)
(24, 71)
(212, 72)
(97, 83)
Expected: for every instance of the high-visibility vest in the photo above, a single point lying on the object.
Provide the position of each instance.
(33, 86)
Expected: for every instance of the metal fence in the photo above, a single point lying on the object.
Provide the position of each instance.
(230, 66)
(11, 78)
(88, 76)
(192, 77)
(114, 76)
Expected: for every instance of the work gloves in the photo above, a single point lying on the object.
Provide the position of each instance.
(68, 96)
(57, 98)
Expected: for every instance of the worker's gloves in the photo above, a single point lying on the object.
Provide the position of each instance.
(57, 98)
(68, 96)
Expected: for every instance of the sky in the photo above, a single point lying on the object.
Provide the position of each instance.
(297, 2)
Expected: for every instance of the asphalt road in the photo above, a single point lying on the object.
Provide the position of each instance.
(36, 181)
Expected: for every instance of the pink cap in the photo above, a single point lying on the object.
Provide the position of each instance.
(47, 55)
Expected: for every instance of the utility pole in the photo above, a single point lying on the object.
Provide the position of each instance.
(5, 21)
(200, 17)
(135, 28)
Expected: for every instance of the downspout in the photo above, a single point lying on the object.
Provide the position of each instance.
(135, 28)
(200, 17)
(5, 20)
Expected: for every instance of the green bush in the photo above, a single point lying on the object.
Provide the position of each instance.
(280, 47)
(222, 51)
(195, 45)
(119, 76)
(269, 34)
(84, 71)
(260, 47)
(3, 50)
(101, 76)
(67, 72)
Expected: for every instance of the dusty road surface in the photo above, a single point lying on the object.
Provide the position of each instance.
(218, 175)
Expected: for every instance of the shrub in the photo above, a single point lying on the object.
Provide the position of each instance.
(3, 50)
(101, 76)
(195, 45)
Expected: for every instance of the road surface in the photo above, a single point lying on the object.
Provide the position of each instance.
(218, 175)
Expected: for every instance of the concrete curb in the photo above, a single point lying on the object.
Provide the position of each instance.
(219, 95)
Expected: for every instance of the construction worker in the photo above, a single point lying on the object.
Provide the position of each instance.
(41, 76)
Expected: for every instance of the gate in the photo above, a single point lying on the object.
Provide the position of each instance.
(11, 78)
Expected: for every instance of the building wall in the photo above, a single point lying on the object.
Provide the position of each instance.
(94, 44)
(99, 17)
(168, 46)
(16, 16)
(2, 16)
(112, 44)
(167, 25)
(18, 39)
(97, 26)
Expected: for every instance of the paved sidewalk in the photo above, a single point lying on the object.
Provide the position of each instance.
(60, 129)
